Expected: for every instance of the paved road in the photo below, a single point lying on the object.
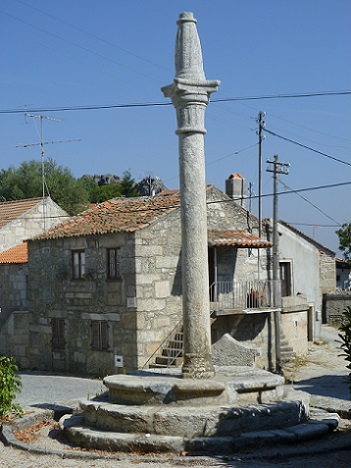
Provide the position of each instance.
(41, 390)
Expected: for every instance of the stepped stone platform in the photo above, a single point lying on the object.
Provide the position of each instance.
(159, 411)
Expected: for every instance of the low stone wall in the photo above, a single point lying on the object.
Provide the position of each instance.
(334, 304)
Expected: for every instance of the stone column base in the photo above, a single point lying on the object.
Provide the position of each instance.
(197, 366)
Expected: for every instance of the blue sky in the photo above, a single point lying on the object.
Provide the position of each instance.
(108, 52)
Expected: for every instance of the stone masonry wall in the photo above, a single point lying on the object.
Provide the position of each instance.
(14, 312)
(333, 306)
(53, 294)
(158, 272)
(327, 273)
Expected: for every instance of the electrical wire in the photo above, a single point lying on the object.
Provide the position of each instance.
(91, 35)
(306, 147)
(312, 204)
(161, 104)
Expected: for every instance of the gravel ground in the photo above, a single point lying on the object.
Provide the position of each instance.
(12, 458)
(321, 373)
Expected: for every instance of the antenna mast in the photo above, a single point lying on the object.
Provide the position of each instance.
(41, 144)
(41, 117)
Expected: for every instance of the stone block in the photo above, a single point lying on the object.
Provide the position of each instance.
(162, 288)
(229, 352)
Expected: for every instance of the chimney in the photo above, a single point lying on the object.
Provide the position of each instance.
(235, 187)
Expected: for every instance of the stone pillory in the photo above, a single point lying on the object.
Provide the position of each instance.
(190, 93)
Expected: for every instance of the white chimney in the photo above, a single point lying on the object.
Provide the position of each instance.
(235, 187)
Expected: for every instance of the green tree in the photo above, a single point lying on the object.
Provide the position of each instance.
(126, 187)
(344, 234)
(26, 182)
(345, 327)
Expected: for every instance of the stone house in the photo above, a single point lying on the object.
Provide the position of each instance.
(19, 220)
(105, 286)
(22, 219)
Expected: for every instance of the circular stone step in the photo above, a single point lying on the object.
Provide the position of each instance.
(188, 421)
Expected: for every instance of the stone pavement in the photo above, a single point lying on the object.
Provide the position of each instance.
(323, 374)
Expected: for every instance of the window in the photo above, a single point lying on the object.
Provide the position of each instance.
(113, 263)
(58, 333)
(99, 332)
(285, 276)
(78, 264)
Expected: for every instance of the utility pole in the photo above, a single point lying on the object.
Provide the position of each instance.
(278, 168)
(261, 125)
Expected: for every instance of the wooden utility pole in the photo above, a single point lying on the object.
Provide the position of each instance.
(278, 168)
(261, 124)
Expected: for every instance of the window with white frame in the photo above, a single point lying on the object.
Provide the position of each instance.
(78, 264)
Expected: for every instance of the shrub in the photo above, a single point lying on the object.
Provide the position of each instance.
(345, 327)
(10, 384)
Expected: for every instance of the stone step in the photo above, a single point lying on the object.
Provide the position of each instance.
(172, 351)
(188, 421)
(169, 361)
(76, 431)
(162, 366)
(164, 386)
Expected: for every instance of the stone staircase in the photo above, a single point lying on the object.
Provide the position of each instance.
(287, 353)
(171, 354)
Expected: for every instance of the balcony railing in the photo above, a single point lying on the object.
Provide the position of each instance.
(244, 295)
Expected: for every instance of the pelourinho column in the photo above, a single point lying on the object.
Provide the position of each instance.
(190, 92)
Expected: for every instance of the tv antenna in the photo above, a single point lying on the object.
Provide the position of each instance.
(42, 152)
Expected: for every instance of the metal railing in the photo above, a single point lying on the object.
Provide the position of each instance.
(242, 295)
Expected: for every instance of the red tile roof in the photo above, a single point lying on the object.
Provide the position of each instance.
(132, 214)
(17, 254)
(117, 215)
(236, 238)
(11, 210)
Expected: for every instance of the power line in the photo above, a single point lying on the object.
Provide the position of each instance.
(160, 104)
(307, 147)
(73, 26)
(283, 96)
(314, 206)
(315, 225)
(86, 49)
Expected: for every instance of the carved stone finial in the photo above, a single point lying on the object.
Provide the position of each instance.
(188, 57)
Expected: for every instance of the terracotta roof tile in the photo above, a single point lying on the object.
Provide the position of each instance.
(17, 254)
(236, 238)
(116, 215)
(11, 210)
